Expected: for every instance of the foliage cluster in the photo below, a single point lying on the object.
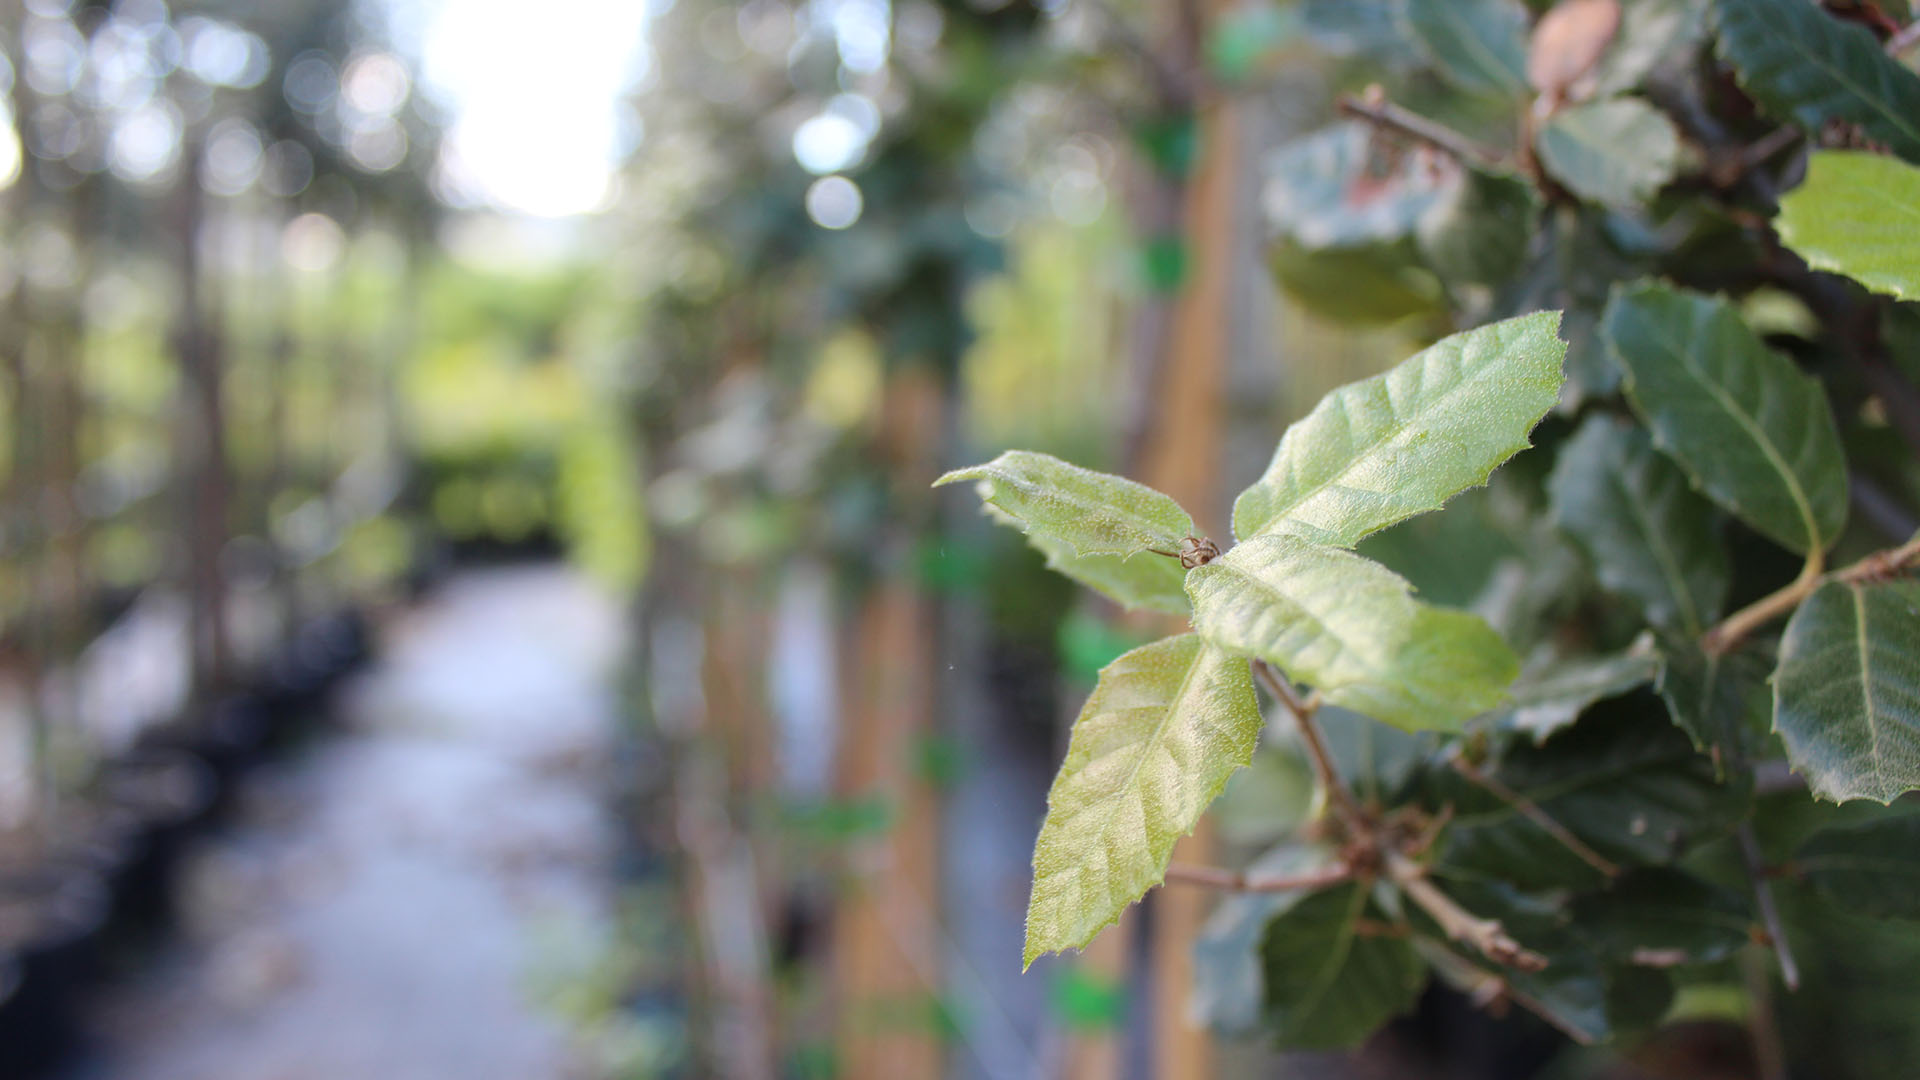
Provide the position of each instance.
(1683, 233)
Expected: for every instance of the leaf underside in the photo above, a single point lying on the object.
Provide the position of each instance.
(1616, 153)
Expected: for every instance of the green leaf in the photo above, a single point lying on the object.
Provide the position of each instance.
(1090, 513)
(1351, 628)
(1846, 698)
(1660, 917)
(1712, 697)
(1384, 449)
(1370, 285)
(1859, 215)
(1327, 986)
(1871, 868)
(1480, 235)
(1651, 33)
(1629, 786)
(1748, 426)
(1650, 536)
(1553, 697)
(1152, 583)
(1164, 728)
(1616, 153)
(1800, 63)
(1480, 46)
(1377, 760)
(1226, 954)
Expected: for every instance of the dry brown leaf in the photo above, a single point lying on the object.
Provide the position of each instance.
(1568, 41)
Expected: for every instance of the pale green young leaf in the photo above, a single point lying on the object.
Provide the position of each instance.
(1650, 536)
(1351, 629)
(1092, 513)
(1846, 697)
(1802, 64)
(1165, 727)
(1384, 449)
(1616, 152)
(1142, 582)
(1480, 46)
(1325, 984)
(1858, 214)
(1746, 424)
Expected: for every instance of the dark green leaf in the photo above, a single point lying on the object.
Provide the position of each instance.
(1553, 695)
(1801, 64)
(1632, 790)
(1872, 868)
(1327, 985)
(1480, 235)
(1659, 917)
(1165, 727)
(1350, 628)
(1846, 699)
(1479, 46)
(1650, 536)
(1226, 955)
(1713, 697)
(1749, 427)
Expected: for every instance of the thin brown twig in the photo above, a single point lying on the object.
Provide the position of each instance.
(1484, 988)
(1485, 935)
(1302, 710)
(1530, 810)
(1216, 877)
(1375, 109)
(1763, 902)
(1741, 624)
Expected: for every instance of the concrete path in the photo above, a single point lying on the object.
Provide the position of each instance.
(416, 898)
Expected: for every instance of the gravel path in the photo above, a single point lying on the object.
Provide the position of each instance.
(391, 904)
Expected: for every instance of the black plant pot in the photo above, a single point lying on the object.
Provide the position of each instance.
(51, 918)
(166, 794)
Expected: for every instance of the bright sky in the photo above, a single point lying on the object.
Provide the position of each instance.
(535, 92)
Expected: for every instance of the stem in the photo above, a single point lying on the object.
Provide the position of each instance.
(1530, 810)
(1303, 709)
(1486, 935)
(1214, 877)
(1374, 108)
(1906, 39)
(1769, 912)
(1484, 988)
(1741, 624)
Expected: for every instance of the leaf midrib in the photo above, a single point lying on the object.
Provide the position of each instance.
(1752, 427)
(1665, 557)
(1839, 75)
(1489, 63)
(1399, 426)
